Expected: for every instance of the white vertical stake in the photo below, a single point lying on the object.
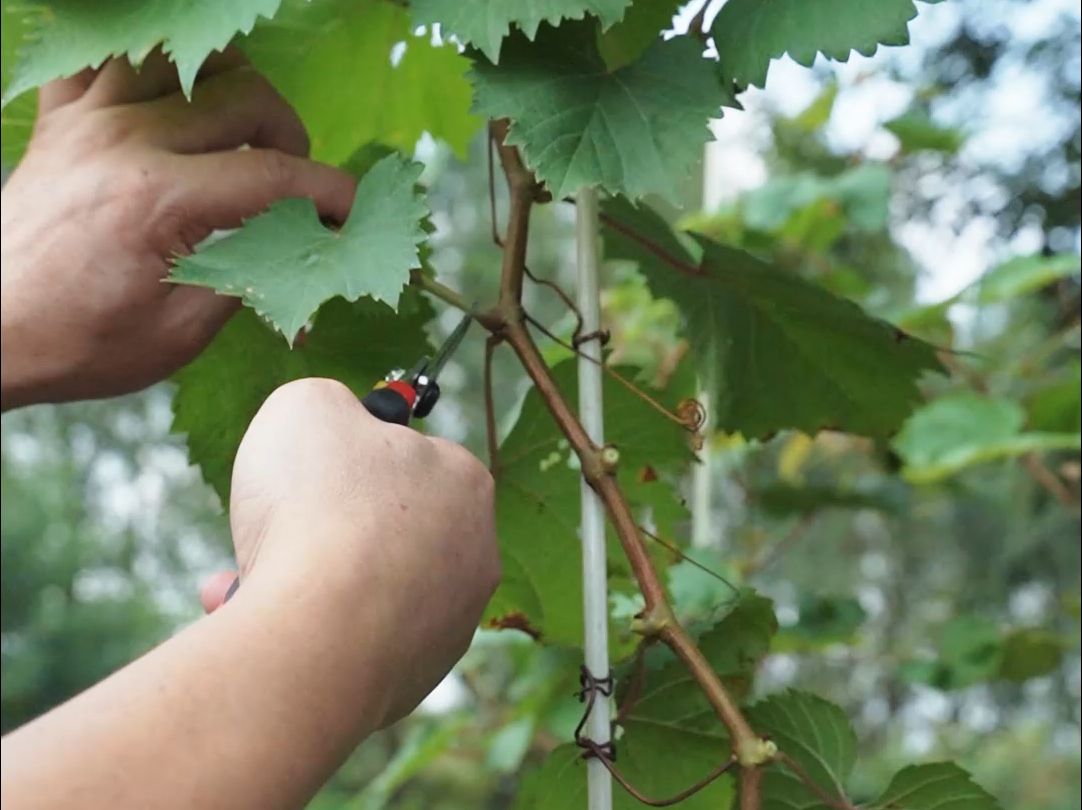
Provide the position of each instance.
(702, 484)
(594, 575)
(704, 534)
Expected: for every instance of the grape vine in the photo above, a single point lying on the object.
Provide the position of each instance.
(577, 94)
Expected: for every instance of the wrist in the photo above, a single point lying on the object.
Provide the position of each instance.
(332, 615)
(30, 372)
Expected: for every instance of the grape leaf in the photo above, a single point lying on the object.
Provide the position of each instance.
(733, 646)
(933, 786)
(960, 430)
(632, 131)
(370, 97)
(749, 33)
(485, 23)
(219, 393)
(659, 761)
(71, 35)
(537, 502)
(284, 263)
(757, 330)
(817, 735)
(637, 31)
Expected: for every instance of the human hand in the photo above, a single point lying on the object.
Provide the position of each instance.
(382, 538)
(121, 174)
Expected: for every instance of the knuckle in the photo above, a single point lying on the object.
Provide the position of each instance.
(109, 127)
(50, 127)
(466, 465)
(308, 392)
(271, 101)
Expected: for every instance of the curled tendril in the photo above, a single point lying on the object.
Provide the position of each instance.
(692, 416)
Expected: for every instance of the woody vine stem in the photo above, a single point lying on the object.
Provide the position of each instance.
(508, 323)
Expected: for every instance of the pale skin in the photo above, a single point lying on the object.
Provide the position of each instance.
(367, 551)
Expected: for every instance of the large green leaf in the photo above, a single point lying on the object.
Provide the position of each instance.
(632, 131)
(960, 430)
(934, 786)
(332, 61)
(284, 263)
(638, 30)
(734, 646)
(817, 735)
(537, 502)
(220, 392)
(749, 33)
(485, 23)
(72, 34)
(657, 760)
(776, 351)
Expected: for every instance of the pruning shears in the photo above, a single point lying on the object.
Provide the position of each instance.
(404, 394)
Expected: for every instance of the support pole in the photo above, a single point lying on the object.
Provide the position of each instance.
(594, 574)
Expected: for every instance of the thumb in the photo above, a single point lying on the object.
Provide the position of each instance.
(213, 592)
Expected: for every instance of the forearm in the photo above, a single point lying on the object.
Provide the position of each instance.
(253, 706)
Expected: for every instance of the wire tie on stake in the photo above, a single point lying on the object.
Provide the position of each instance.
(590, 687)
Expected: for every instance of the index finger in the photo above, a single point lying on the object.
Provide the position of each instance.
(64, 91)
